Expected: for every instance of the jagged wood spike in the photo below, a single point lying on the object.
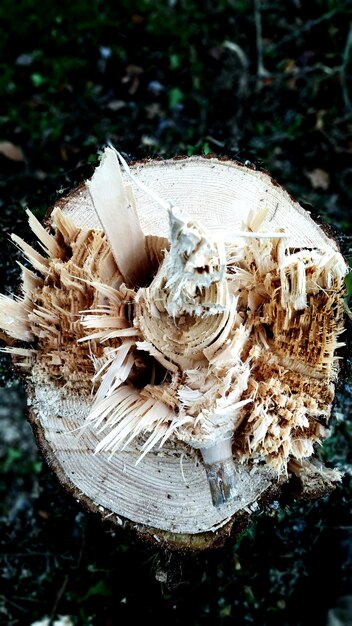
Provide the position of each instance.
(115, 206)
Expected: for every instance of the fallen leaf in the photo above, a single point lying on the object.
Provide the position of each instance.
(116, 105)
(132, 76)
(319, 179)
(25, 59)
(10, 151)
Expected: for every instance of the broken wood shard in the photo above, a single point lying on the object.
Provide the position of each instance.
(221, 471)
(113, 201)
(183, 320)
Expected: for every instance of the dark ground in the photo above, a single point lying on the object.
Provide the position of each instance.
(265, 82)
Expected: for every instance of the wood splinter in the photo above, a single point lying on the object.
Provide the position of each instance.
(221, 471)
(203, 307)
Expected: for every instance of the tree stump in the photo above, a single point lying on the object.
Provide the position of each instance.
(178, 337)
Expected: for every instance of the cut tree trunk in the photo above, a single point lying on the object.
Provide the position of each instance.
(182, 341)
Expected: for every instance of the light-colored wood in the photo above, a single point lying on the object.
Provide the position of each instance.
(114, 205)
(167, 490)
(220, 194)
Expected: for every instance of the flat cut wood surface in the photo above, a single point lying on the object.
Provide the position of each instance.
(218, 193)
(167, 490)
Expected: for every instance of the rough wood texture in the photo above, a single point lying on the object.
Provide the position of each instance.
(287, 389)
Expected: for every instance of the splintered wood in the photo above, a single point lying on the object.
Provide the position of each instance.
(212, 337)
